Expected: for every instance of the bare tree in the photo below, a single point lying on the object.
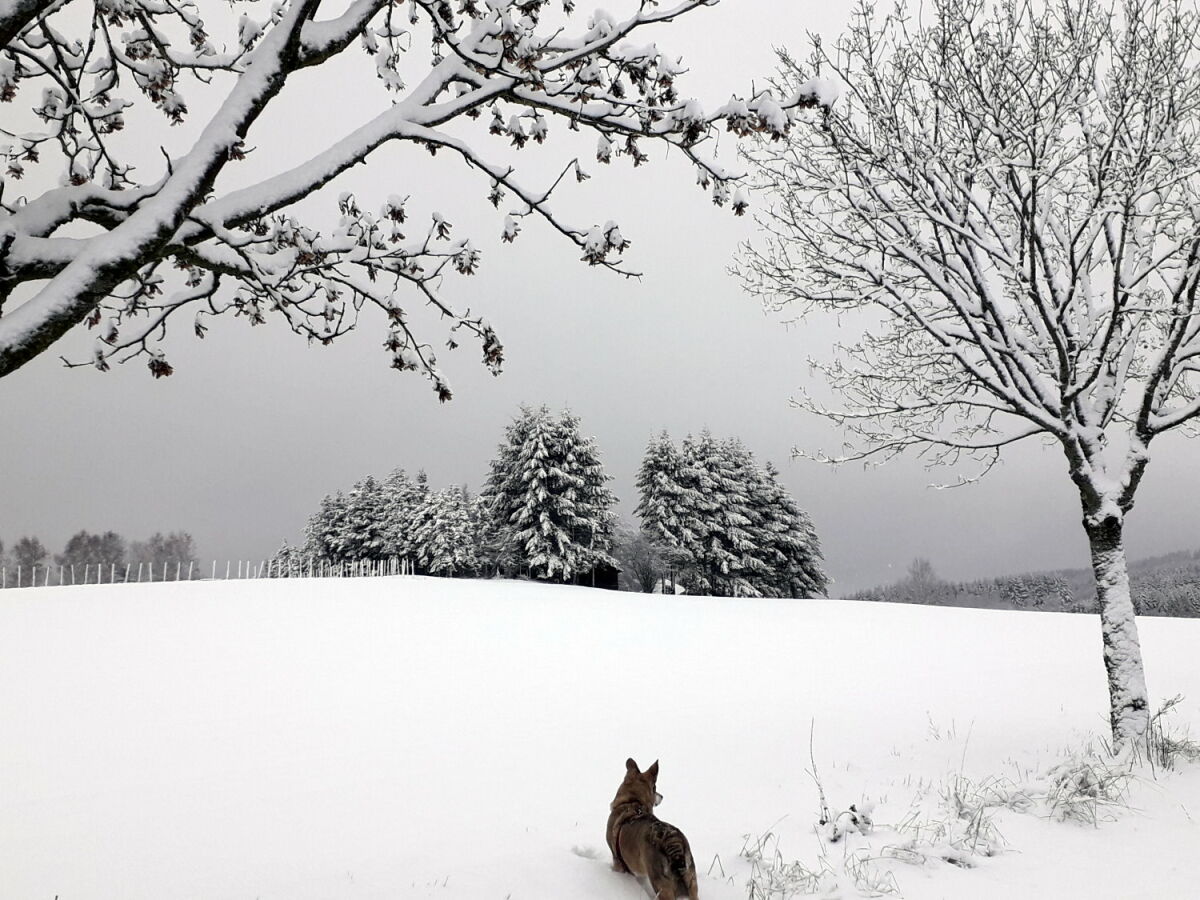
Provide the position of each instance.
(510, 65)
(640, 558)
(1014, 189)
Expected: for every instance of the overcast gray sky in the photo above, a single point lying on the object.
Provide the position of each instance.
(240, 444)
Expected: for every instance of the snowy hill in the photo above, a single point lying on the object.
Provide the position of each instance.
(411, 737)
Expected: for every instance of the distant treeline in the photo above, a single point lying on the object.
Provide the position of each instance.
(1167, 585)
(105, 555)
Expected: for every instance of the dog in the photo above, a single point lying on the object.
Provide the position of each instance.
(644, 845)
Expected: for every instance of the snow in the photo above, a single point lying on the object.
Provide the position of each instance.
(825, 91)
(413, 737)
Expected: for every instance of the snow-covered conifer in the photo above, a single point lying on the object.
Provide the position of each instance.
(326, 526)
(724, 555)
(289, 561)
(593, 525)
(549, 506)
(443, 536)
(663, 504)
(725, 523)
(503, 489)
(402, 498)
(787, 541)
(364, 526)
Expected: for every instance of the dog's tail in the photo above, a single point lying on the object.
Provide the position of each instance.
(679, 857)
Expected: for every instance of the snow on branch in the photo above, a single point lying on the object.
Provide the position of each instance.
(165, 236)
(1013, 192)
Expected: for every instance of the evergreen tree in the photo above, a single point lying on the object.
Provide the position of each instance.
(753, 567)
(443, 534)
(593, 524)
(664, 503)
(503, 491)
(401, 501)
(726, 523)
(325, 528)
(545, 506)
(788, 542)
(481, 533)
(289, 561)
(363, 534)
(718, 516)
(548, 501)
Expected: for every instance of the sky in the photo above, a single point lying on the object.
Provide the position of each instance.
(254, 427)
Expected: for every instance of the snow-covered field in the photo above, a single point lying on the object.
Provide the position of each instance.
(410, 737)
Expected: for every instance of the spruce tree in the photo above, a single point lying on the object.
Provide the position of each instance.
(401, 500)
(503, 491)
(717, 515)
(325, 528)
(592, 522)
(443, 537)
(788, 543)
(549, 504)
(726, 523)
(364, 527)
(545, 509)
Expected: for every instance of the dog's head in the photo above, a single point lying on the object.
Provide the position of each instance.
(639, 787)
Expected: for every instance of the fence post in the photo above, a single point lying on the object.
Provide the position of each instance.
(60, 576)
(3, 577)
(18, 576)
(140, 572)
(127, 573)
(191, 562)
(46, 580)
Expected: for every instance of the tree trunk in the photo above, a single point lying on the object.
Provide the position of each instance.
(1128, 704)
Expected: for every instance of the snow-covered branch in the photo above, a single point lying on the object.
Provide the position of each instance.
(1017, 195)
(500, 72)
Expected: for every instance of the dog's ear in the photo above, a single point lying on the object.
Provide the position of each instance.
(631, 766)
(653, 771)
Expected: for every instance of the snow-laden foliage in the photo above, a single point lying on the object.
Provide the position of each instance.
(549, 506)
(1013, 191)
(126, 240)
(374, 521)
(444, 534)
(725, 523)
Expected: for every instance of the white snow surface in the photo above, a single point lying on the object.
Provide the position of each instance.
(414, 737)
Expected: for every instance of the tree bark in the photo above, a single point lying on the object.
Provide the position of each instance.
(1128, 703)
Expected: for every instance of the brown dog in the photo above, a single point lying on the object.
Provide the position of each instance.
(643, 844)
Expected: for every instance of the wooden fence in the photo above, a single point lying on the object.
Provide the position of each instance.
(178, 570)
